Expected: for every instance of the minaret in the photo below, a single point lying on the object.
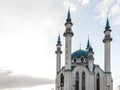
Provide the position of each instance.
(58, 60)
(58, 55)
(90, 56)
(68, 35)
(107, 40)
(119, 87)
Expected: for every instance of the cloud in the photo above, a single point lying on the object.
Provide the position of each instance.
(28, 15)
(27, 28)
(108, 6)
(84, 2)
(101, 8)
(66, 4)
(73, 4)
(9, 80)
(5, 72)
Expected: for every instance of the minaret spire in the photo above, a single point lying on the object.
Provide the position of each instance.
(88, 43)
(107, 24)
(59, 41)
(68, 20)
(68, 15)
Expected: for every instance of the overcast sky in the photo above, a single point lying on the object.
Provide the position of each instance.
(28, 36)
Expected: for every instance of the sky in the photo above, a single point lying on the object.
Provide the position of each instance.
(28, 36)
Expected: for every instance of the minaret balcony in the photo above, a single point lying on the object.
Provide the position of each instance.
(107, 39)
(68, 33)
(58, 51)
(68, 23)
(107, 30)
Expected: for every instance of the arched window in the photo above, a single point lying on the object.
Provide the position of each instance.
(77, 81)
(83, 80)
(74, 60)
(61, 80)
(82, 59)
(98, 82)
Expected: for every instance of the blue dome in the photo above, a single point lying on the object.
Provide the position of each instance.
(79, 53)
(90, 49)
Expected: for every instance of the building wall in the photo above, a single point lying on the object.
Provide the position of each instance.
(80, 69)
(102, 78)
(90, 78)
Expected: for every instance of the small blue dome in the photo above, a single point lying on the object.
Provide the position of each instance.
(90, 49)
(79, 53)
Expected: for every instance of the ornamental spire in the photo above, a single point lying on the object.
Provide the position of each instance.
(59, 42)
(88, 43)
(68, 16)
(107, 24)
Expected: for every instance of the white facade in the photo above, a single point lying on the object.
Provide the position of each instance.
(80, 72)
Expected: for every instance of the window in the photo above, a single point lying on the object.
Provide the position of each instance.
(74, 60)
(82, 59)
(98, 82)
(62, 80)
(77, 81)
(83, 80)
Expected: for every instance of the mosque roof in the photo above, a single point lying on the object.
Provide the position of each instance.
(79, 53)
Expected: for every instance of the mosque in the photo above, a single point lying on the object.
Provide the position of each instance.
(80, 72)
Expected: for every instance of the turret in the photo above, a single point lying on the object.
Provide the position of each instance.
(68, 44)
(107, 40)
(119, 87)
(58, 55)
(90, 56)
(88, 45)
(68, 35)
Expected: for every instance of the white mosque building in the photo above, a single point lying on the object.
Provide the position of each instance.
(80, 72)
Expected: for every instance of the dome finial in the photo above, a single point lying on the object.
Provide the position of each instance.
(107, 22)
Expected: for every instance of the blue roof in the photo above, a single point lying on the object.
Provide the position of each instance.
(79, 53)
(90, 49)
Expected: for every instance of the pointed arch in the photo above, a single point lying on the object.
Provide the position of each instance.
(83, 80)
(74, 60)
(98, 81)
(82, 59)
(77, 81)
(61, 80)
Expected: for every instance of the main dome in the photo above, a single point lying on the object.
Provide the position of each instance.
(80, 53)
